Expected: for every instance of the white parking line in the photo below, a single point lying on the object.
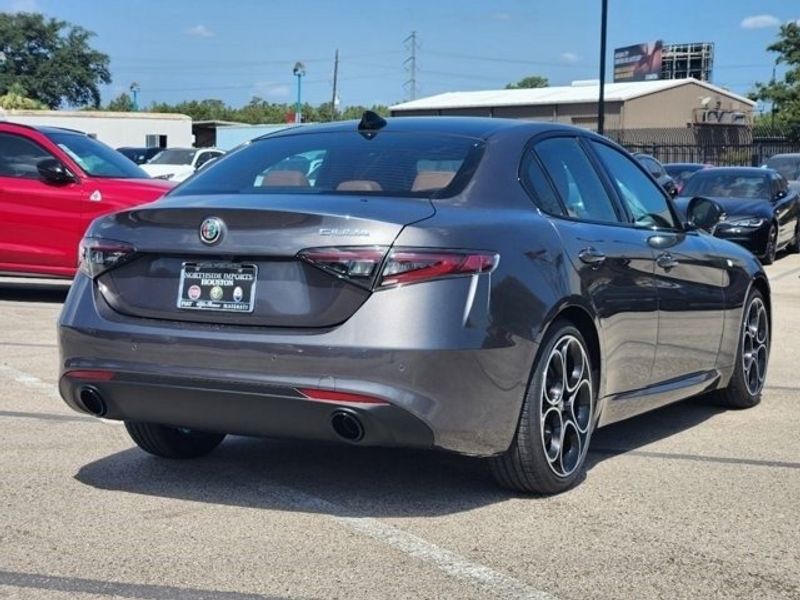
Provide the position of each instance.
(501, 585)
(26, 379)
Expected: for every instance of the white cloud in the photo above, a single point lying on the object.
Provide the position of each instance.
(759, 22)
(570, 57)
(272, 91)
(501, 16)
(200, 31)
(24, 6)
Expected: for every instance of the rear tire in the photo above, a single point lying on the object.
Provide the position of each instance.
(794, 247)
(752, 357)
(172, 442)
(771, 251)
(549, 449)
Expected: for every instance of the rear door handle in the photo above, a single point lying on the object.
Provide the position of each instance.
(592, 256)
(666, 261)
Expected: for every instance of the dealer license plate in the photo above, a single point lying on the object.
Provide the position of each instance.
(222, 287)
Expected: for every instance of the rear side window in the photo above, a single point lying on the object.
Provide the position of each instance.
(18, 157)
(644, 199)
(535, 181)
(386, 163)
(576, 180)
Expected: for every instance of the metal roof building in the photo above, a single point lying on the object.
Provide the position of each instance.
(634, 105)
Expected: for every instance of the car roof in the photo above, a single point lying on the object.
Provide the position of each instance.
(44, 129)
(477, 127)
(739, 171)
(785, 155)
(685, 164)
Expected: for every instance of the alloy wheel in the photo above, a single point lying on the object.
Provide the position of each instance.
(566, 405)
(755, 346)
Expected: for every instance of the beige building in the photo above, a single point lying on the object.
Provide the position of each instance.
(671, 103)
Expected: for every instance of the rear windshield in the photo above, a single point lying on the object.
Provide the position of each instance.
(175, 156)
(788, 166)
(727, 185)
(384, 164)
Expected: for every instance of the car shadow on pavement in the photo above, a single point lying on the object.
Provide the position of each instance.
(55, 292)
(351, 481)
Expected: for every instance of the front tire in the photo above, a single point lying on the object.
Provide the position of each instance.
(172, 442)
(549, 449)
(752, 356)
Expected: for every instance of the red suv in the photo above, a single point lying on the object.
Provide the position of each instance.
(53, 183)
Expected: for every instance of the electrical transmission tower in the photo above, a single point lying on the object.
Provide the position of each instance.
(411, 65)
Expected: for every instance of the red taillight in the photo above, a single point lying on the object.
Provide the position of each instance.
(369, 266)
(339, 397)
(357, 264)
(90, 374)
(407, 265)
(98, 255)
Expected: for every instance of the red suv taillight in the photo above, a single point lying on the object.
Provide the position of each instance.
(97, 255)
(371, 267)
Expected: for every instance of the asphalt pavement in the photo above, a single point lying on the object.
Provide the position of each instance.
(690, 501)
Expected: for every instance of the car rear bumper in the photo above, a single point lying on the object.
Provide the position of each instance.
(231, 407)
(448, 381)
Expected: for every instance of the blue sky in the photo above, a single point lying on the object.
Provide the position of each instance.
(235, 49)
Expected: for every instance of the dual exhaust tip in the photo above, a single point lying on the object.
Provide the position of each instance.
(91, 400)
(345, 424)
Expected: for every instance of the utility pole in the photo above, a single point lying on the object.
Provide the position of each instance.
(411, 65)
(335, 77)
(601, 103)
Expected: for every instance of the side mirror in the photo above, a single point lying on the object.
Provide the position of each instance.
(703, 213)
(53, 171)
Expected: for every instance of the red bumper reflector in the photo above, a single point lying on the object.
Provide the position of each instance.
(93, 375)
(339, 397)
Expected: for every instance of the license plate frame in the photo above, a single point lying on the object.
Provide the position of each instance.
(218, 287)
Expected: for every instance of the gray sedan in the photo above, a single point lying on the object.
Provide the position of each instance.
(490, 287)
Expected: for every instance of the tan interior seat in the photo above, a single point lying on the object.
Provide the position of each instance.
(359, 185)
(284, 179)
(432, 180)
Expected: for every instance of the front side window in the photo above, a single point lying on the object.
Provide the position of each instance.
(644, 200)
(96, 159)
(576, 180)
(386, 163)
(19, 156)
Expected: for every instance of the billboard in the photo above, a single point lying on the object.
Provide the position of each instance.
(641, 62)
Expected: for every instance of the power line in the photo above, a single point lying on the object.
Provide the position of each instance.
(411, 65)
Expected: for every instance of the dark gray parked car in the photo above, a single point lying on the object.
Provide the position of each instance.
(491, 287)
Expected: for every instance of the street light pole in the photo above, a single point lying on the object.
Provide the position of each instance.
(135, 91)
(601, 103)
(299, 72)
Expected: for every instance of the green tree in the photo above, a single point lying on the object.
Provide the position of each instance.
(51, 59)
(17, 98)
(531, 81)
(784, 95)
(122, 103)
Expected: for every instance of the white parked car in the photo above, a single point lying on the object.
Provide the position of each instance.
(177, 164)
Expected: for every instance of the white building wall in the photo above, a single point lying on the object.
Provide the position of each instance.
(113, 128)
